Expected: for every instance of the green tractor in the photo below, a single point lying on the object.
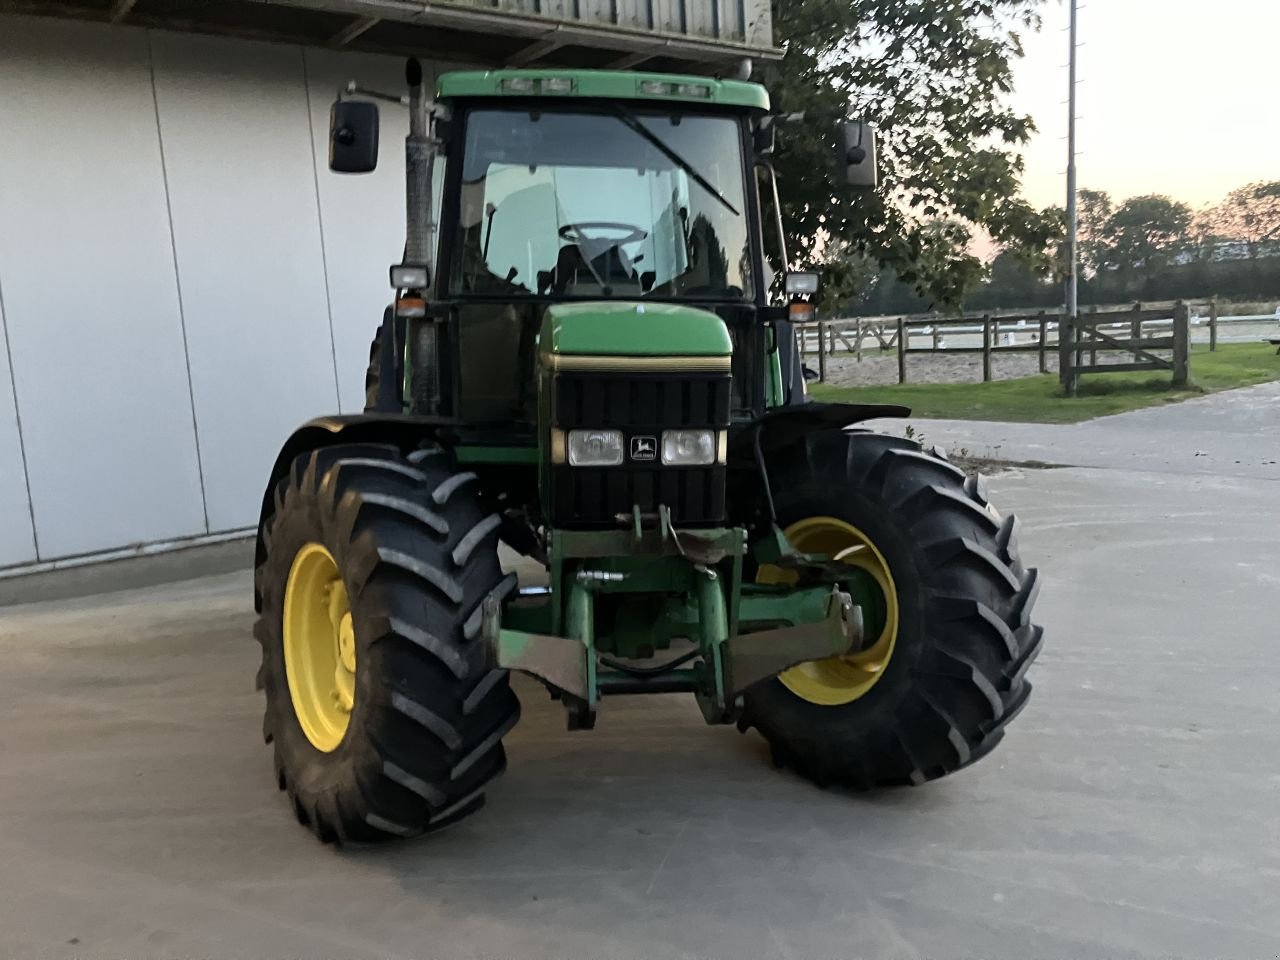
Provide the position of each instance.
(583, 362)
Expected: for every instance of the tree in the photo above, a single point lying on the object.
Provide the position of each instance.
(1249, 215)
(1094, 210)
(1014, 281)
(1144, 231)
(931, 75)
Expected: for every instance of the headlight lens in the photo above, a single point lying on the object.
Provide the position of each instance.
(689, 448)
(595, 448)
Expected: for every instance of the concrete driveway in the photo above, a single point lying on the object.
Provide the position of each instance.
(1133, 810)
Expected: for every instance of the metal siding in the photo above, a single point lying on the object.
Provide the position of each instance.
(599, 11)
(89, 293)
(558, 9)
(633, 14)
(238, 151)
(702, 19)
(758, 15)
(363, 215)
(666, 16)
(17, 544)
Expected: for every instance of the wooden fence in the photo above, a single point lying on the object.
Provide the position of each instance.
(1124, 329)
(1085, 333)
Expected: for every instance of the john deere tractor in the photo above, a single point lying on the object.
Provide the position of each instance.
(584, 362)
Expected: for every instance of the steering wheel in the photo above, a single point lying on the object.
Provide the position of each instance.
(573, 232)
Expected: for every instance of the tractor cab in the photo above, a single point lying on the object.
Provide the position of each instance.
(589, 186)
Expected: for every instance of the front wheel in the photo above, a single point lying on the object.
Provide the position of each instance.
(946, 599)
(384, 715)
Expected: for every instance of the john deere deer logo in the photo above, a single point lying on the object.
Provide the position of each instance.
(644, 448)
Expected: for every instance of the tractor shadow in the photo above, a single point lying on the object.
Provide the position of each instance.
(647, 803)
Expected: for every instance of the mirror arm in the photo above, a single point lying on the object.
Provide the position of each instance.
(777, 215)
(352, 89)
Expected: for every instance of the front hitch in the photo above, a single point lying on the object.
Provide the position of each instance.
(727, 666)
(752, 657)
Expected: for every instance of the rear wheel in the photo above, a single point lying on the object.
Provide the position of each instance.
(950, 611)
(384, 717)
(384, 376)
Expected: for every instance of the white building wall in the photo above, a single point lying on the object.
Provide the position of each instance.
(17, 535)
(238, 158)
(182, 279)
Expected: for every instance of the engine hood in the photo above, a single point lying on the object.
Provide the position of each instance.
(630, 329)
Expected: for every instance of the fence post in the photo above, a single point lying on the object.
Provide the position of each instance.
(986, 348)
(1213, 325)
(1181, 345)
(822, 351)
(1135, 334)
(902, 350)
(1067, 361)
(1044, 335)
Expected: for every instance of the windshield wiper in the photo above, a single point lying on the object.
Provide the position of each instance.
(632, 121)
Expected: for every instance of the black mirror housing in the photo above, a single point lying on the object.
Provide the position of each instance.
(763, 136)
(353, 136)
(858, 159)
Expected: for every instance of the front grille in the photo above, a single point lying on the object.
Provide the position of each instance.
(641, 406)
(650, 401)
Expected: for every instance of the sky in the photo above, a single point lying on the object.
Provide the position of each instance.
(1180, 97)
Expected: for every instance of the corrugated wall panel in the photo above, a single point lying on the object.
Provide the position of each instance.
(738, 21)
(90, 299)
(633, 14)
(238, 151)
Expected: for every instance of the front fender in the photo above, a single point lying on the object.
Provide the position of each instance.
(782, 426)
(405, 432)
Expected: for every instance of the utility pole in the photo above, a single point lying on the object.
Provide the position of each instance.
(1073, 250)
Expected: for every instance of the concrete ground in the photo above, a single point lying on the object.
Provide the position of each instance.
(1131, 811)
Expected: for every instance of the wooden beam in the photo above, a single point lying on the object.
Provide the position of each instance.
(121, 10)
(629, 61)
(534, 51)
(352, 30)
(1123, 367)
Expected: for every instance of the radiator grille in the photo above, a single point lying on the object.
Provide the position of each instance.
(641, 406)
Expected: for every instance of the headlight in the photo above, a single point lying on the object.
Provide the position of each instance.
(408, 276)
(689, 448)
(595, 448)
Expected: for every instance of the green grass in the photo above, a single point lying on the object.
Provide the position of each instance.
(1038, 399)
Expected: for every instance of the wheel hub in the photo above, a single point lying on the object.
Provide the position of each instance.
(841, 680)
(319, 647)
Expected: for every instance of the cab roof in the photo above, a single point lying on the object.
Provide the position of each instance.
(604, 84)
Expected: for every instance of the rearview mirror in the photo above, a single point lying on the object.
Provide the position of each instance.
(858, 142)
(353, 136)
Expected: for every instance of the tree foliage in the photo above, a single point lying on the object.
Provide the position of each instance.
(1144, 232)
(932, 76)
(1094, 210)
(1249, 215)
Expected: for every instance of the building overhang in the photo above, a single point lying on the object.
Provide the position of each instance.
(459, 31)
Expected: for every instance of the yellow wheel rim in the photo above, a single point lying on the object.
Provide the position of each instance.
(839, 680)
(319, 647)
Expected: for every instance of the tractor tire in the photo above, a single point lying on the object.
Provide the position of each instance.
(955, 673)
(412, 557)
(384, 377)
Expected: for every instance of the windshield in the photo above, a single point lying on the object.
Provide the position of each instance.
(612, 204)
